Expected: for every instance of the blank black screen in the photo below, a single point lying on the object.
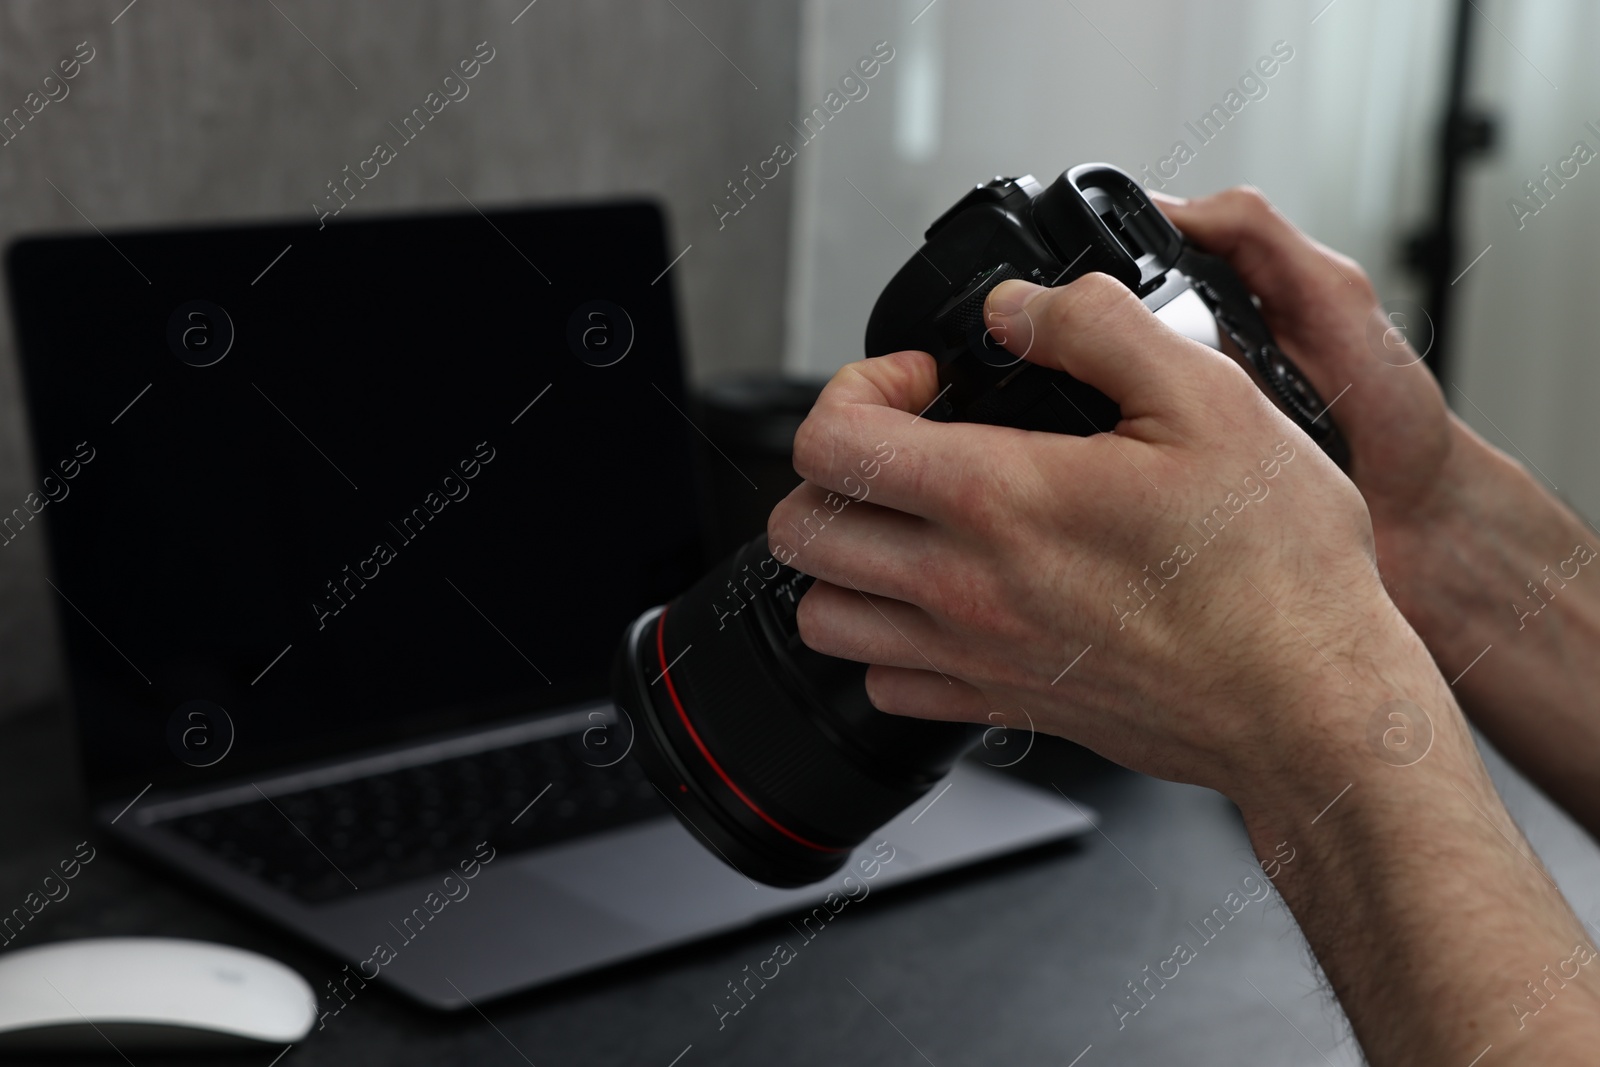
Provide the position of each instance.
(372, 364)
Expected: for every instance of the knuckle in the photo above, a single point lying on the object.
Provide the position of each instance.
(1338, 280)
(879, 693)
(808, 444)
(777, 524)
(1101, 292)
(1245, 201)
(1356, 272)
(1091, 299)
(812, 445)
(1101, 287)
(820, 437)
(813, 630)
(822, 628)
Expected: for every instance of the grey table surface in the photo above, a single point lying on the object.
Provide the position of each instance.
(1015, 962)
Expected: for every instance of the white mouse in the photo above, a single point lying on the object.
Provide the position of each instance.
(148, 992)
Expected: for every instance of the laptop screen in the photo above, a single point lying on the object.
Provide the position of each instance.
(349, 484)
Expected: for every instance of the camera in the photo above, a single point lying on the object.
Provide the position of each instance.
(769, 752)
(1093, 217)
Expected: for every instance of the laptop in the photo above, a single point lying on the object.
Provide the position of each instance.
(344, 522)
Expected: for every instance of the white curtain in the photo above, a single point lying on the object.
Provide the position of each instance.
(1339, 136)
(1526, 374)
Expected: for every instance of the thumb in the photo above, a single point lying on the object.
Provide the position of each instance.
(1099, 332)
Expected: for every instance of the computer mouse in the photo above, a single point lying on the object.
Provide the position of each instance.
(148, 993)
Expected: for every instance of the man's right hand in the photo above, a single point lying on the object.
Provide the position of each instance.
(1325, 315)
(1488, 566)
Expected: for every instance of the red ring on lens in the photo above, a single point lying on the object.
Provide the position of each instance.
(694, 735)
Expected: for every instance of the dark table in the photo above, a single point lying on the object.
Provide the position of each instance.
(1012, 963)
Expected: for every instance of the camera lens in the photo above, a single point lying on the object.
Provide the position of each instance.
(768, 751)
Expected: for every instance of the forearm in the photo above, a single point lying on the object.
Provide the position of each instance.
(1417, 893)
(1502, 581)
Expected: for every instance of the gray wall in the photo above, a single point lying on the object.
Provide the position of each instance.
(193, 111)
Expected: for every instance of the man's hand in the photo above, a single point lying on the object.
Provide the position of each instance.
(1173, 595)
(1488, 566)
(1195, 595)
(1325, 315)
(1406, 448)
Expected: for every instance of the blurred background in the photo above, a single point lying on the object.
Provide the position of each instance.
(187, 111)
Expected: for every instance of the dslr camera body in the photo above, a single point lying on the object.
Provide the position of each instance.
(770, 752)
(1093, 217)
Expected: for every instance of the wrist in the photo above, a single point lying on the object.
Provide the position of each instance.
(1454, 560)
(1373, 701)
(1496, 574)
(1385, 708)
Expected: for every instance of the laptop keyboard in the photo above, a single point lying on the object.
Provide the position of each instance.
(323, 843)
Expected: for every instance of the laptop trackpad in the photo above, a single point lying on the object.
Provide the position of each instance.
(657, 875)
(518, 923)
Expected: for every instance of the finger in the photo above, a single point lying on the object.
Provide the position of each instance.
(849, 542)
(1098, 331)
(1275, 260)
(854, 625)
(925, 695)
(903, 381)
(855, 442)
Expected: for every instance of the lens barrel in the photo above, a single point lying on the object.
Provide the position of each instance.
(768, 751)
